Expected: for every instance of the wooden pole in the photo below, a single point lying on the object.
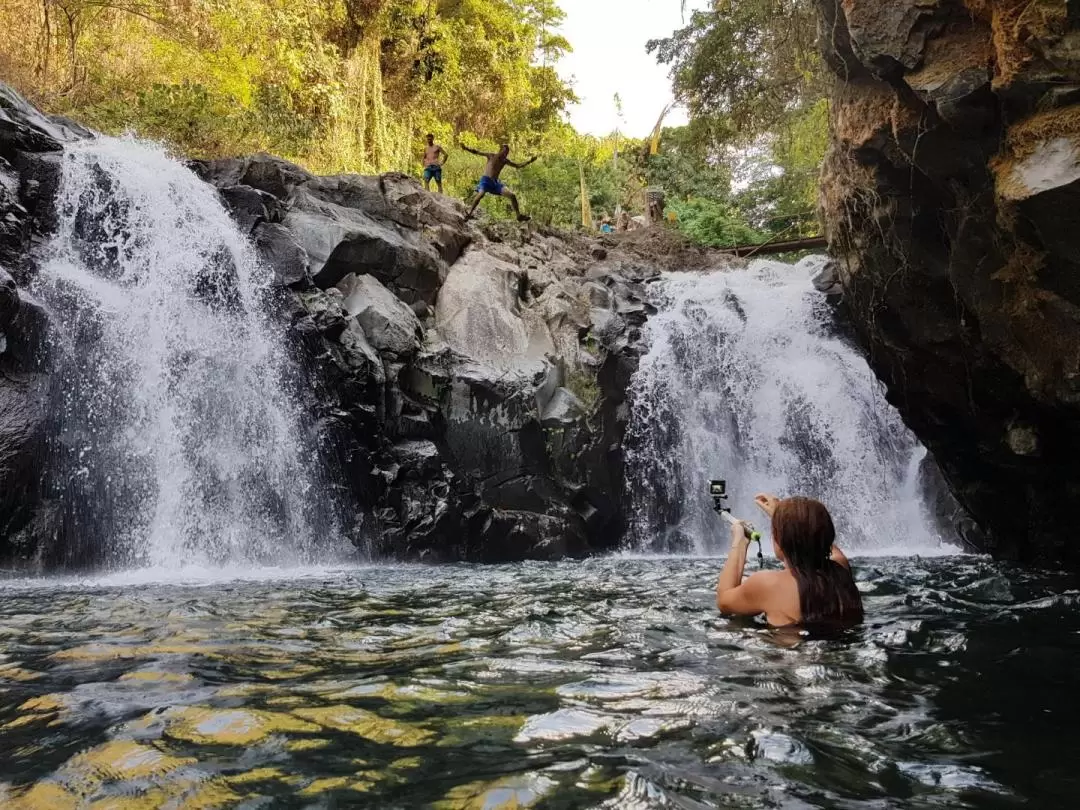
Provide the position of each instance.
(768, 248)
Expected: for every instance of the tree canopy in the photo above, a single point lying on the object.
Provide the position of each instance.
(335, 84)
(751, 76)
(353, 86)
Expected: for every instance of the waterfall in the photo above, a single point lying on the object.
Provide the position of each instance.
(747, 379)
(176, 439)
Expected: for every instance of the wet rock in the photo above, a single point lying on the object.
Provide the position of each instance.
(251, 207)
(24, 396)
(39, 175)
(950, 194)
(417, 457)
(280, 252)
(824, 274)
(389, 323)
(14, 218)
(9, 300)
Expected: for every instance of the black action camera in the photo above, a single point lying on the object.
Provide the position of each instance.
(718, 493)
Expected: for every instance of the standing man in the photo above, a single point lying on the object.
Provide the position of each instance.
(432, 163)
(489, 183)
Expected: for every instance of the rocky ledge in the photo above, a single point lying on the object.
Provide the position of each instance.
(950, 195)
(467, 383)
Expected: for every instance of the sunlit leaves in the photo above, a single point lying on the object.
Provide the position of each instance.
(335, 84)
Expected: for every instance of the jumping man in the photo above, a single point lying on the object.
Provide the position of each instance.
(489, 183)
(432, 164)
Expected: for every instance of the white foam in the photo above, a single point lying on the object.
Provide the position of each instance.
(745, 379)
(179, 444)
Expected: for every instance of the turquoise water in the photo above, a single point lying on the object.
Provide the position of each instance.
(610, 684)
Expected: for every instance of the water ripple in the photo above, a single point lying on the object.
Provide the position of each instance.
(608, 684)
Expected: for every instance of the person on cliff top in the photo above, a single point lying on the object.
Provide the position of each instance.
(814, 590)
(489, 183)
(434, 159)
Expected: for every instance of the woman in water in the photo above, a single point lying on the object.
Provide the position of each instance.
(815, 587)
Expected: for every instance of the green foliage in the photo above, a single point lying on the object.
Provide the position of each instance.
(713, 223)
(780, 179)
(746, 64)
(339, 85)
(685, 169)
(751, 75)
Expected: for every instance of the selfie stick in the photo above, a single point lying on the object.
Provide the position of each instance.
(752, 534)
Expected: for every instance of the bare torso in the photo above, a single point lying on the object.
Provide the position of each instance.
(431, 155)
(495, 164)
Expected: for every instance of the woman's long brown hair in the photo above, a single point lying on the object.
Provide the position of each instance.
(804, 531)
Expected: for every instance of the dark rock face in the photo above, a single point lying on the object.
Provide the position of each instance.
(950, 196)
(469, 385)
(30, 148)
(385, 226)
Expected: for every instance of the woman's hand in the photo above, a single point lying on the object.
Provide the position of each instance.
(738, 534)
(767, 503)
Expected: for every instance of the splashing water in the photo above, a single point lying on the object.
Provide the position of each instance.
(746, 379)
(176, 440)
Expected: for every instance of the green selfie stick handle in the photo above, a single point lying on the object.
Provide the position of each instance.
(752, 534)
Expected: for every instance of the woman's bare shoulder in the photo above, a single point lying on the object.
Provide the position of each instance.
(769, 577)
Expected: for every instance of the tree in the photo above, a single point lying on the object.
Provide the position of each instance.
(338, 85)
(746, 65)
(750, 74)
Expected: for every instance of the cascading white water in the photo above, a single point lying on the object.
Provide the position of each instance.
(177, 442)
(746, 379)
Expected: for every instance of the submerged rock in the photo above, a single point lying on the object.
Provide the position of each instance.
(950, 193)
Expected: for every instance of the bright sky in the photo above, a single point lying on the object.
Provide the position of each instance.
(609, 57)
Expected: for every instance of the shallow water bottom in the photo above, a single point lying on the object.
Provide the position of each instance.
(610, 683)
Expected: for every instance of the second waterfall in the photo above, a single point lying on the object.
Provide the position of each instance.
(176, 440)
(746, 379)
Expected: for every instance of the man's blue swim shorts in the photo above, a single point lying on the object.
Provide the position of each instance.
(489, 186)
(433, 172)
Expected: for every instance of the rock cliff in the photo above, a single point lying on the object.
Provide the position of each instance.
(951, 194)
(469, 383)
(466, 385)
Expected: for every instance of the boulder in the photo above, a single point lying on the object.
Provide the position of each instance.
(389, 323)
(280, 253)
(265, 173)
(564, 409)
(479, 314)
(340, 239)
